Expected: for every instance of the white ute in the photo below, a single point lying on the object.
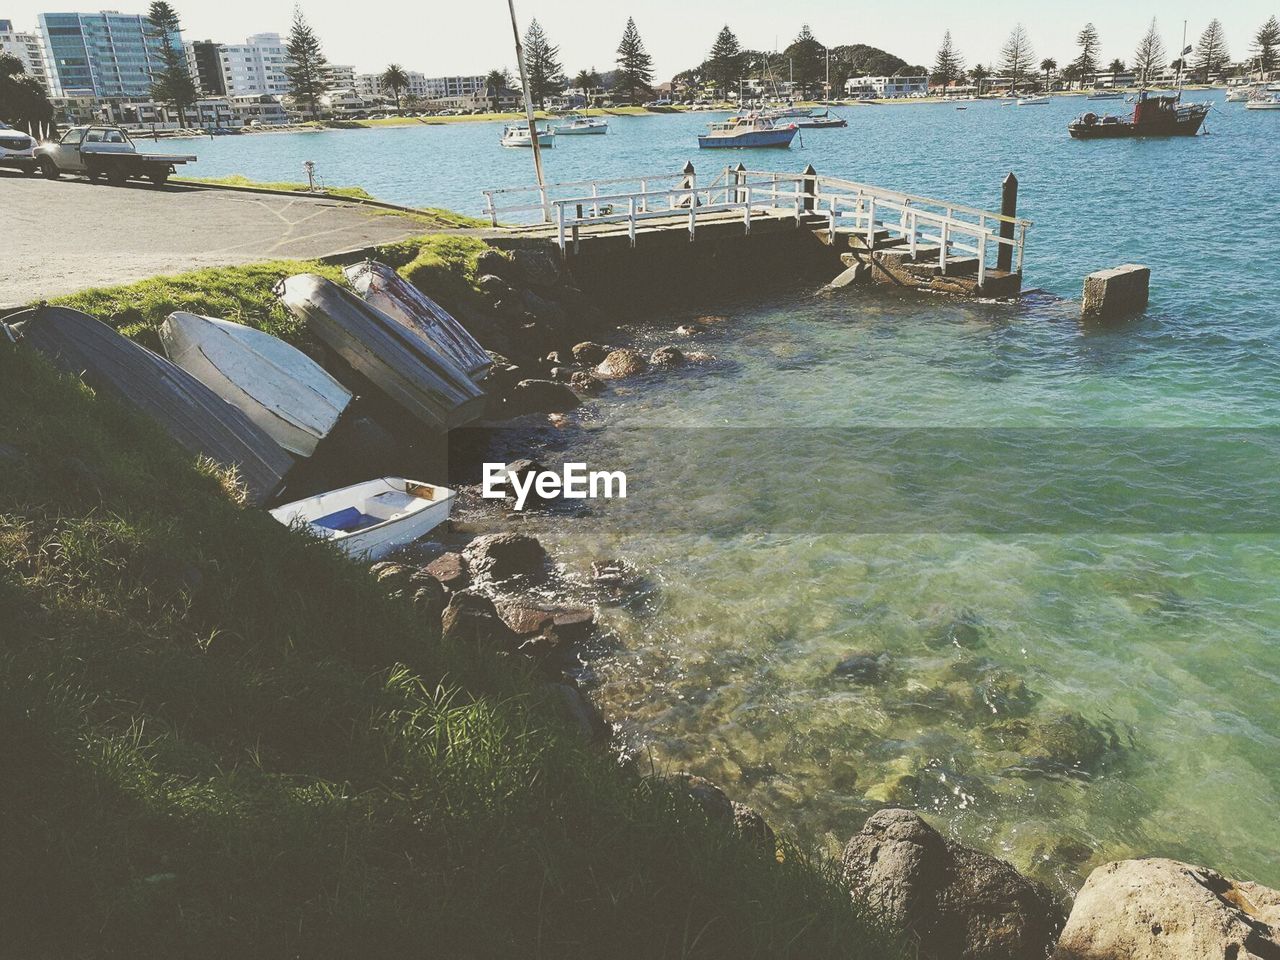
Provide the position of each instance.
(101, 151)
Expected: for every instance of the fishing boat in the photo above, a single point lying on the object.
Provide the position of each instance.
(371, 519)
(277, 386)
(1264, 103)
(200, 421)
(400, 300)
(1097, 94)
(1032, 101)
(400, 362)
(752, 130)
(1153, 116)
(820, 121)
(517, 135)
(578, 124)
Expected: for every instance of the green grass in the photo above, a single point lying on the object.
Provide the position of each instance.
(221, 739)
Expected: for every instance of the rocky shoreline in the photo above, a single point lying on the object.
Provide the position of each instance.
(501, 590)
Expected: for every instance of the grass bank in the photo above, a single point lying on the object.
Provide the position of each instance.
(223, 739)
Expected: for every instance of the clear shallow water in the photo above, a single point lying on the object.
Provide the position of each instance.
(1164, 644)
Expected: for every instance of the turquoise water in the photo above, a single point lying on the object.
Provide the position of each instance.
(1051, 689)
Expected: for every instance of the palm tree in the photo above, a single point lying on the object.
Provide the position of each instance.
(1048, 65)
(395, 79)
(495, 83)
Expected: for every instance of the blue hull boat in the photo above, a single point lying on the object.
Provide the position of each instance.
(749, 131)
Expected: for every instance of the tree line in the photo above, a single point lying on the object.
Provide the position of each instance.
(1017, 57)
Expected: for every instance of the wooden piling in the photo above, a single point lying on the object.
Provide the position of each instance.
(1008, 208)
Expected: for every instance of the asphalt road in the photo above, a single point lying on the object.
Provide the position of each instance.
(57, 237)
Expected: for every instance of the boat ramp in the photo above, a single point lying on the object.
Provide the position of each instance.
(882, 235)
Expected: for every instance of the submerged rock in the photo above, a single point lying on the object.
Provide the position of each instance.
(585, 383)
(541, 396)
(501, 556)
(869, 668)
(665, 358)
(1063, 742)
(1165, 910)
(621, 363)
(952, 901)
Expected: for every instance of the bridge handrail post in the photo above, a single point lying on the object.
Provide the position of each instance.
(1022, 246)
(746, 210)
(631, 220)
(982, 260)
(560, 226)
(871, 223)
(915, 230)
(644, 196)
(942, 250)
(595, 203)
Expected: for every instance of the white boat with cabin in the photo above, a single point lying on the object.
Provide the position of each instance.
(277, 386)
(517, 135)
(579, 124)
(374, 518)
(1032, 101)
(1271, 102)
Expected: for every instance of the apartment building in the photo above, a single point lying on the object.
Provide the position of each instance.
(103, 54)
(27, 48)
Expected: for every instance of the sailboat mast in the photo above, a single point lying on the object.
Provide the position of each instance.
(1182, 57)
(528, 110)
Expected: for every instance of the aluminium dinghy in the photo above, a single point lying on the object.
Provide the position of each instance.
(199, 420)
(401, 363)
(373, 518)
(278, 387)
(399, 299)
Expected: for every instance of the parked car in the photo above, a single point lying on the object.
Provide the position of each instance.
(17, 150)
(102, 151)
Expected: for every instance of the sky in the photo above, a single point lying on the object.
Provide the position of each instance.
(474, 36)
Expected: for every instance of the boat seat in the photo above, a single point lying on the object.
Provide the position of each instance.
(346, 521)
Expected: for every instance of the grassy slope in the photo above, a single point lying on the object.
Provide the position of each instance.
(220, 739)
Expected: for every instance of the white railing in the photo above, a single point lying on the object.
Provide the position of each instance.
(871, 212)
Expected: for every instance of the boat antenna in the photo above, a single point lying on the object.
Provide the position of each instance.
(528, 110)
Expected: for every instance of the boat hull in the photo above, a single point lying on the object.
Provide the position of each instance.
(197, 419)
(780, 139)
(386, 290)
(277, 386)
(1263, 105)
(402, 364)
(1126, 128)
(401, 517)
(581, 131)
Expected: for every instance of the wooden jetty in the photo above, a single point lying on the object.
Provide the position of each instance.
(901, 238)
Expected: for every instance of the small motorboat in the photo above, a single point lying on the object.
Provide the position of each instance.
(278, 387)
(1033, 101)
(752, 130)
(197, 419)
(578, 124)
(371, 519)
(517, 135)
(1153, 116)
(1097, 94)
(398, 361)
(400, 300)
(1271, 102)
(820, 121)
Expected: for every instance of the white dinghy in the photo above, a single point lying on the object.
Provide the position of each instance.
(400, 300)
(373, 518)
(276, 385)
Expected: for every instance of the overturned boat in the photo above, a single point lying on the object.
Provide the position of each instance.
(199, 420)
(373, 518)
(399, 299)
(278, 387)
(399, 361)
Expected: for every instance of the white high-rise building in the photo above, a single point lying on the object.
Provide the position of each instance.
(27, 48)
(370, 85)
(256, 66)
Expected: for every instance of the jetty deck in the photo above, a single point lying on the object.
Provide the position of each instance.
(899, 238)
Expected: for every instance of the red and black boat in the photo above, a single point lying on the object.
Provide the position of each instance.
(1163, 115)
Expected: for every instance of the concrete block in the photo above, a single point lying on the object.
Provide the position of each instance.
(1118, 292)
(858, 273)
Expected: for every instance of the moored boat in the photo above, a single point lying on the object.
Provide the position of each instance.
(1097, 94)
(1153, 116)
(578, 124)
(276, 385)
(400, 300)
(820, 121)
(1032, 101)
(401, 363)
(518, 135)
(374, 518)
(752, 130)
(1264, 103)
(197, 419)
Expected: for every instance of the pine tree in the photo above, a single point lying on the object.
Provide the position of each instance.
(173, 83)
(1016, 56)
(635, 66)
(305, 70)
(1211, 51)
(495, 83)
(1265, 44)
(541, 63)
(725, 61)
(949, 66)
(805, 60)
(1150, 55)
(1086, 65)
(979, 73)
